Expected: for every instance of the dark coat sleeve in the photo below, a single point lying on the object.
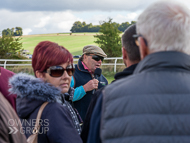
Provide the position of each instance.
(61, 128)
(94, 130)
(86, 125)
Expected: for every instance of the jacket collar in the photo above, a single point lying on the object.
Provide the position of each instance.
(166, 60)
(126, 72)
(81, 67)
(32, 93)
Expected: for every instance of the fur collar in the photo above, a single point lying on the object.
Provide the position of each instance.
(28, 86)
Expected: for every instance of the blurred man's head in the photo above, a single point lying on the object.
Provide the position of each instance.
(164, 26)
(93, 57)
(130, 50)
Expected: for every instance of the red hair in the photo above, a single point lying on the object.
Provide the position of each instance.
(47, 54)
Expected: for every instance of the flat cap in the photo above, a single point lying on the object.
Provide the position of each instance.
(92, 49)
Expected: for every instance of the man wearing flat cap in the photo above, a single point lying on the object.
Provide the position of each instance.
(83, 80)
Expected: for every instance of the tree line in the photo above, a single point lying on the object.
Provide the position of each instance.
(108, 39)
(17, 31)
(83, 27)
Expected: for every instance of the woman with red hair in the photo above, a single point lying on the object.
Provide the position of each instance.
(53, 68)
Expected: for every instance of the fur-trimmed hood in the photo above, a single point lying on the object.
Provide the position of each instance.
(31, 93)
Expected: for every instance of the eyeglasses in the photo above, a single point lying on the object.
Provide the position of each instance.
(97, 58)
(136, 39)
(58, 71)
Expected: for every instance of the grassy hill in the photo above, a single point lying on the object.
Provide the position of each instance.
(74, 43)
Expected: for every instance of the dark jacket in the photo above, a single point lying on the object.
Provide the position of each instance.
(86, 125)
(152, 105)
(81, 77)
(96, 106)
(94, 123)
(56, 125)
(10, 126)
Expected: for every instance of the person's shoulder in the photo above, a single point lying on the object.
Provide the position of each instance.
(6, 72)
(5, 105)
(121, 84)
(104, 78)
(56, 112)
(54, 105)
(56, 109)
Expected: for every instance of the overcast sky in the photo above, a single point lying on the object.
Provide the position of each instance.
(56, 16)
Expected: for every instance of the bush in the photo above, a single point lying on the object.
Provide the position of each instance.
(109, 40)
(9, 47)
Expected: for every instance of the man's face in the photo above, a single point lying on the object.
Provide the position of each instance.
(91, 61)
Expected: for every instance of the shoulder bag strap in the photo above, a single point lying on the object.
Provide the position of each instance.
(37, 125)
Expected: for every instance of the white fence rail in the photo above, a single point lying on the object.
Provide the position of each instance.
(11, 60)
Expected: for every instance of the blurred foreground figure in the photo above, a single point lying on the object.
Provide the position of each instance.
(153, 105)
(10, 126)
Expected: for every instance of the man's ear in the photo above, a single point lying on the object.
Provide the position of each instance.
(124, 53)
(40, 75)
(84, 57)
(143, 48)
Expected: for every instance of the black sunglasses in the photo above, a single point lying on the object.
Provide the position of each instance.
(136, 36)
(97, 58)
(58, 71)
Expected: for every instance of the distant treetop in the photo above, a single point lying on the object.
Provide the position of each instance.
(17, 31)
(83, 27)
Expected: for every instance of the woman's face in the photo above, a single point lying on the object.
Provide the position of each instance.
(62, 82)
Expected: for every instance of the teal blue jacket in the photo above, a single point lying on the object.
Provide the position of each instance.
(79, 91)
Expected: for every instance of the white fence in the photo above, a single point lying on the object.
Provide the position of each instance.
(10, 60)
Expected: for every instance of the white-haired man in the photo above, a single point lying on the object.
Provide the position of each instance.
(153, 105)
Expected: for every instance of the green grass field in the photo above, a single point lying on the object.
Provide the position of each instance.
(74, 43)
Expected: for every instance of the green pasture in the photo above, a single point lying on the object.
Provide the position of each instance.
(74, 43)
(109, 75)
